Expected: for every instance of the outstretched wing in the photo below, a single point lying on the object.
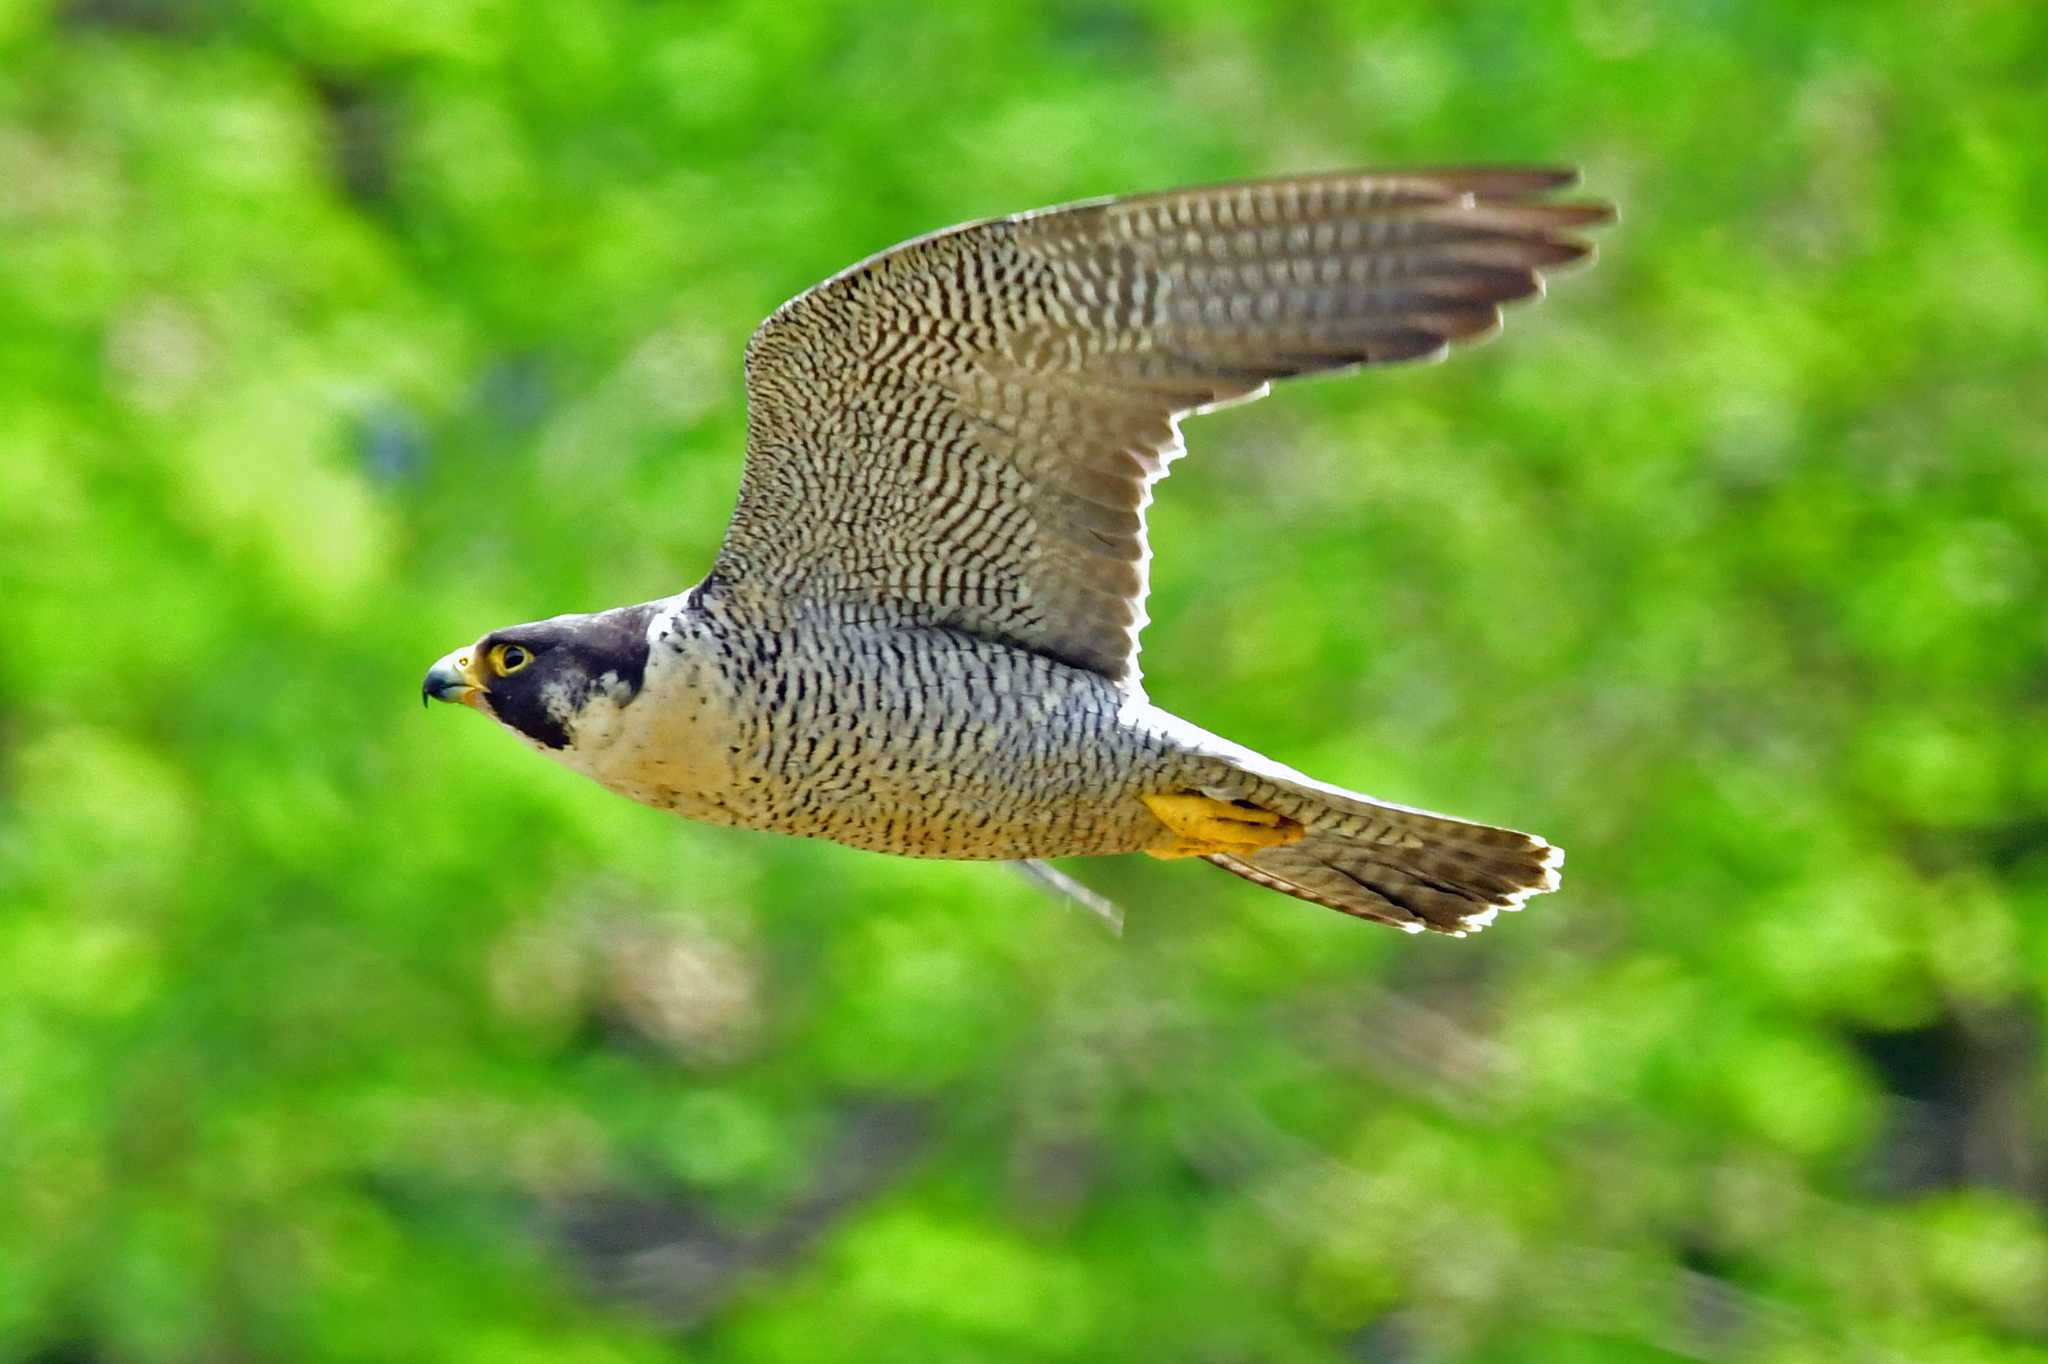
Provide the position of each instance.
(965, 429)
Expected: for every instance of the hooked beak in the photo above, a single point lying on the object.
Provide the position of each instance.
(454, 678)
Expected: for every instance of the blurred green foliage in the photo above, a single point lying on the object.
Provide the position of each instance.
(333, 333)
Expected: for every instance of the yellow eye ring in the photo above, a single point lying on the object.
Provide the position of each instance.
(507, 659)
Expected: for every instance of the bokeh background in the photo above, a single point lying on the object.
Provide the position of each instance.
(333, 333)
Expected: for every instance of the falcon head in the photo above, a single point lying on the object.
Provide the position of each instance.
(543, 680)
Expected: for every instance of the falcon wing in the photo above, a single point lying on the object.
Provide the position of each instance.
(965, 429)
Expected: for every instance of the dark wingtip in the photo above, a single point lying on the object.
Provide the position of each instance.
(1496, 182)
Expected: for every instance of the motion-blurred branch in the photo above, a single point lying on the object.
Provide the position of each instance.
(668, 1256)
(1058, 884)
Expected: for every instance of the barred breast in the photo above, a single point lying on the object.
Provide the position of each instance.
(925, 742)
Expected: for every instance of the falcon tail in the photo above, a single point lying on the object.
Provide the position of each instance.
(1388, 863)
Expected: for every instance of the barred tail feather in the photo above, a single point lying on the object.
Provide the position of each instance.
(1409, 868)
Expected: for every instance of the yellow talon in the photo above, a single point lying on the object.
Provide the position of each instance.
(1203, 826)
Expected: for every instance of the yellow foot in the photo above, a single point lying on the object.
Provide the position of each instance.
(1203, 826)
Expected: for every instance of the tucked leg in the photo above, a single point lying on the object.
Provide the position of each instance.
(1203, 826)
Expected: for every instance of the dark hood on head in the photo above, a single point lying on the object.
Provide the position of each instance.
(571, 654)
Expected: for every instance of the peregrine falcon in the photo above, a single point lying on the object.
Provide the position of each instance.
(921, 633)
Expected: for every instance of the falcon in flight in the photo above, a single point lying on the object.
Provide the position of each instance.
(921, 633)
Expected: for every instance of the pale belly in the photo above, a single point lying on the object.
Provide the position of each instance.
(923, 743)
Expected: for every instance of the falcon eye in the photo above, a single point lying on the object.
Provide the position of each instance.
(507, 659)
